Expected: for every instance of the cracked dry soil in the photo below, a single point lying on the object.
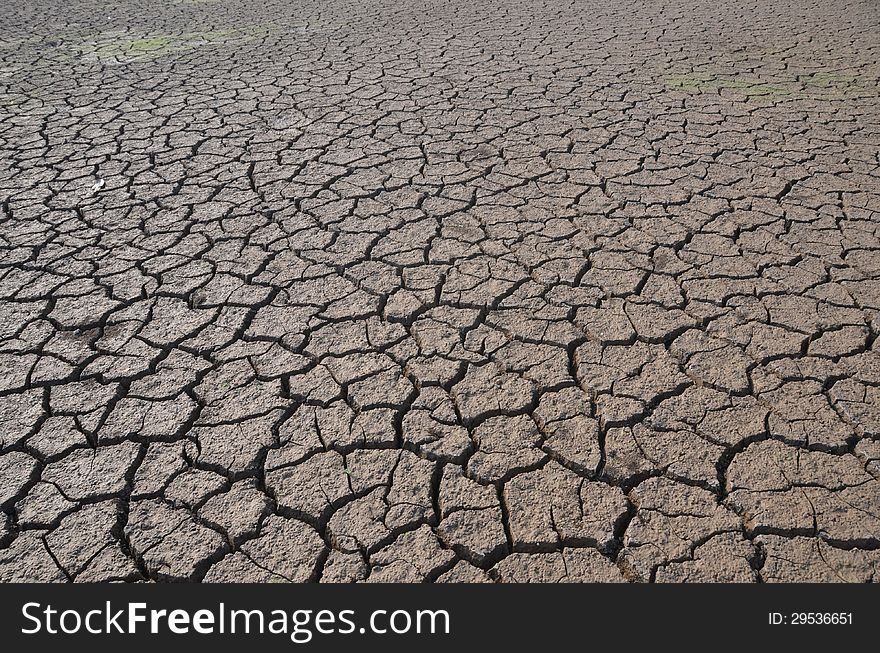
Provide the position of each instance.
(450, 291)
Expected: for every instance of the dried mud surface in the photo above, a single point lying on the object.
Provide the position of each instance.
(450, 291)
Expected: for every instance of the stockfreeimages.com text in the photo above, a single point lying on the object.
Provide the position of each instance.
(299, 625)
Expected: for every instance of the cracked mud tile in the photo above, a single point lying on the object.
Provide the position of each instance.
(860, 405)
(553, 507)
(238, 511)
(572, 432)
(16, 471)
(725, 558)
(431, 426)
(485, 392)
(672, 520)
(85, 545)
(171, 543)
(27, 560)
(401, 503)
(639, 450)
(284, 549)
(471, 518)
(464, 572)
(868, 453)
(801, 413)
(801, 492)
(42, 506)
(160, 464)
(235, 446)
(312, 487)
(568, 566)
(805, 559)
(92, 473)
(505, 446)
(341, 567)
(413, 557)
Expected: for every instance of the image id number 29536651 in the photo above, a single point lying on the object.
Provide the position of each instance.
(810, 618)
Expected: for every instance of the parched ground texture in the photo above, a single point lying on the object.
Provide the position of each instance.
(388, 290)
